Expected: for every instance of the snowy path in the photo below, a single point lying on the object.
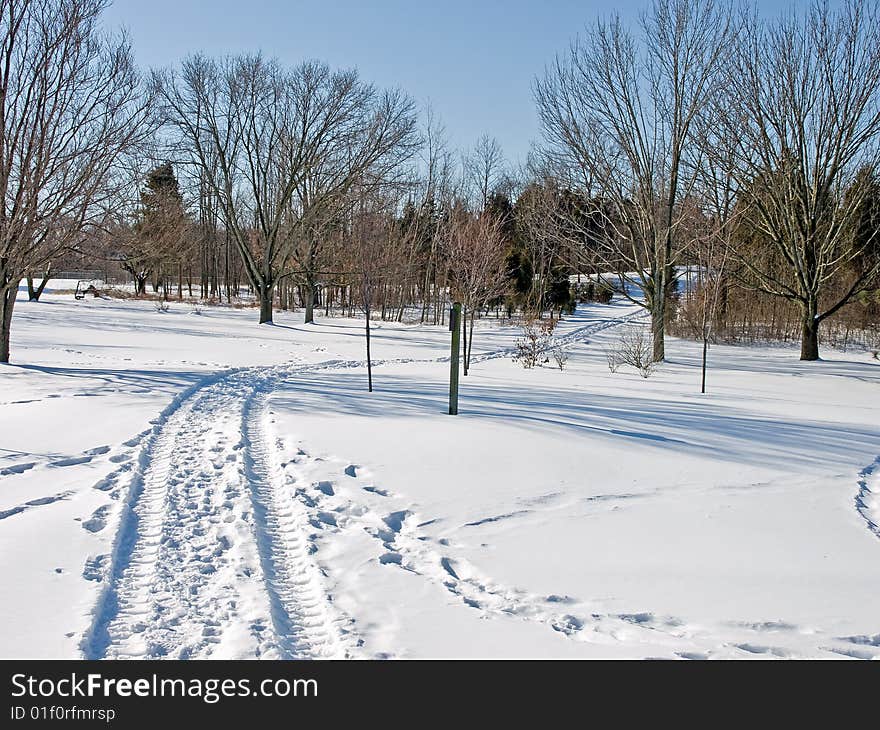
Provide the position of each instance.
(205, 516)
(212, 557)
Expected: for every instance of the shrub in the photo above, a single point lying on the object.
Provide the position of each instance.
(635, 348)
(560, 355)
(613, 359)
(535, 341)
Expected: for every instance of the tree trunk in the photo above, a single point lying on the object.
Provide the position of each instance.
(658, 326)
(470, 345)
(810, 332)
(310, 303)
(7, 302)
(266, 292)
(464, 333)
(226, 270)
(658, 317)
(35, 294)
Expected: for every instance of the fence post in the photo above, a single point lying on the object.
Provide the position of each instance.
(455, 328)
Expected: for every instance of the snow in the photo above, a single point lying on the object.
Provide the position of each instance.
(195, 485)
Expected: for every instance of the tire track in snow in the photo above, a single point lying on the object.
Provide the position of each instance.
(137, 614)
(210, 549)
(110, 569)
(299, 602)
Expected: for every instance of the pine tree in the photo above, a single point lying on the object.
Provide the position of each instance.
(158, 230)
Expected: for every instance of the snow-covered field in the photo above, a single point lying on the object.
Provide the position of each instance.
(195, 485)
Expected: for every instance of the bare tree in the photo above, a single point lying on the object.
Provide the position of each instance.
(70, 105)
(618, 110)
(804, 111)
(484, 169)
(714, 212)
(367, 151)
(438, 165)
(374, 251)
(280, 148)
(477, 262)
(564, 231)
(708, 257)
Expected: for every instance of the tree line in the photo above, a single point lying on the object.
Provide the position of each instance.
(706, 162)
(710, 136)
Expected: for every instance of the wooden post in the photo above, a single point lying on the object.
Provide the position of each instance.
(705, 348)
(369, 360)
(455, 328)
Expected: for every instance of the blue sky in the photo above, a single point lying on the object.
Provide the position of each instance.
(473, 61)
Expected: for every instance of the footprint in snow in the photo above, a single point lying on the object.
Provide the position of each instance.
(73, 461)
(568, 624)
(863, 640)
(17, 468)
(759, 649)
(446, 564)
(98, 520)
(560, 599)
(851, 653)
(94, 567)
(395, 520)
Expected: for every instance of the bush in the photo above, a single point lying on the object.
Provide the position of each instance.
(634, 348)
(162, 307)
(535, 341)
(560, 355)
(613, 359)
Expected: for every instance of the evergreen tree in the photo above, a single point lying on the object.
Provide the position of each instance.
(158, 229)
